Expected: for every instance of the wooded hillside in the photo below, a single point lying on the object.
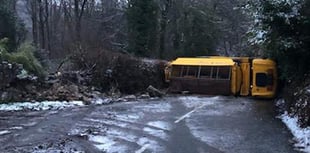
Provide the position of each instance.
(108, 39)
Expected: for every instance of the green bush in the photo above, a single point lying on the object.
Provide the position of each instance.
(4, 55)
(4, 45)
(24, 55)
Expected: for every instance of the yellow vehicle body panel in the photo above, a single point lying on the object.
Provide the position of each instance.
(235, 80)
(245, 85)
(203, 62)
(168, 72)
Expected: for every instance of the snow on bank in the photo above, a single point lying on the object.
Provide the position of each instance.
(302, 135)
(56, 105)
(36, 106)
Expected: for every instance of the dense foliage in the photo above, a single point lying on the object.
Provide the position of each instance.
(12, 37)
(199, 31)
(7, 23)
(285, 25)
(142, 26)
(150, 28)
(10, 26)
(168, 28)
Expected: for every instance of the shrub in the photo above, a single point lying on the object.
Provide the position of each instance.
(24, 55)
(3, 45)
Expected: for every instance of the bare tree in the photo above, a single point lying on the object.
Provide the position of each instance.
(78, 12)
(33, 9)
(47, 24)
(165, 6)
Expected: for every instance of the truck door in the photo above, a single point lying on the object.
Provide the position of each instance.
(264, 79)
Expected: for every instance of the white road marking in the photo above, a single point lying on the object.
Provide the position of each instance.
(189, 113)
(143, 148)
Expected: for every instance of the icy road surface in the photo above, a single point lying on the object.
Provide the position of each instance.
(188, 124)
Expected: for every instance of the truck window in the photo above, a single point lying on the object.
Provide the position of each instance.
(224, 73)
(215, 71)
(190, 71)
(176, 71)
(205, 72)
(261, 79)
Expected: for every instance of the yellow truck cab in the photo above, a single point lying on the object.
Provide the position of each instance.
(264, 81)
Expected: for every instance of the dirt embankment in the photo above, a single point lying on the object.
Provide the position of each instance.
(296, 96)
(114, 75)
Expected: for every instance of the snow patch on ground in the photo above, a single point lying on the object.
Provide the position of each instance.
(36, 106)
(160, 124)
(117, 123)
(129, 117)
(154, 108)
(224, 139)
(156, 132)
(29, 124)
(151, 144)
(121, 135)
(211, 112)
(4, 132)
(16, 128)
(221, 138)
(215, 106)
(117, 135)
(195, 101)
(105, 144)
(302, 135)
(110, 142)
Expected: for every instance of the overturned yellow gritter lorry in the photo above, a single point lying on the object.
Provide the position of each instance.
(242, 76)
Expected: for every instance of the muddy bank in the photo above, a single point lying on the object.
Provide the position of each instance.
(294, 109)
(296, 96)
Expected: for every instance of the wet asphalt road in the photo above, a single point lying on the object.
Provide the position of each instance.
(187, 124)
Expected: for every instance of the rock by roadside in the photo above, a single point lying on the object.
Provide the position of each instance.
(41, 90)
(17, 85)
(60, 91)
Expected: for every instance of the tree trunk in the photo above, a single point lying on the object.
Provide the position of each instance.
(163, 25)
(47, 22)
(41, 25)
(78, 18)
(34, 18)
